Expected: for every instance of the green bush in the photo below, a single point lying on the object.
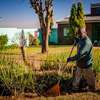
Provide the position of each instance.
(3, 41)
(33, 40)
(36, 41)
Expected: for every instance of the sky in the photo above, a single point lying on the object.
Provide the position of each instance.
(18, 13)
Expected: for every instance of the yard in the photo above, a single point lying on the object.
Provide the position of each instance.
(19, 77)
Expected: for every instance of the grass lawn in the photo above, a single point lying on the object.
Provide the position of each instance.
(57, 52)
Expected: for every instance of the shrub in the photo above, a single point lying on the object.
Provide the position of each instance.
(36, 41)
(3, 41)
(46, 81)
(33, 40)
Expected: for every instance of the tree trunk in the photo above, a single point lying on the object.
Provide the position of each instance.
(45, 42)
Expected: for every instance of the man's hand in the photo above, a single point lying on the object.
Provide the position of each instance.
(76, 39)
(69, 59)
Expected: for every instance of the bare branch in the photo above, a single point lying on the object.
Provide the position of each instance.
(35, 5)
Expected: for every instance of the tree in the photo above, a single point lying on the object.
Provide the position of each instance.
(80, 15)
(73, 22)
(3, 41)
(76, 19)
(44, 10)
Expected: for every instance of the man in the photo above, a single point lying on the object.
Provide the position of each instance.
(83, 60)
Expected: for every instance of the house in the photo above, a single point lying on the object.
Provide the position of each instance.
(92, 26)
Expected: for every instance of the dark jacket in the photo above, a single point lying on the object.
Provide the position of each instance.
(84, 53)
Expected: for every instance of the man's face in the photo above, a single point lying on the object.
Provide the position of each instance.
(80, 33)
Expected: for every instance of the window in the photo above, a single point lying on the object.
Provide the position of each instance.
(97, 11)
(65, 31)
(96, 32)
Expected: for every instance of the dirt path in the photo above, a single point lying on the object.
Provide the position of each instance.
(73, 96)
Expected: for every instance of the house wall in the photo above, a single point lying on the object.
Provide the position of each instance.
(61, 38)
(53, 37)
(60, 33)
(96, 32)
(89, 30)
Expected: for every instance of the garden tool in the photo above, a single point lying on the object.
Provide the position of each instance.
(55, 90)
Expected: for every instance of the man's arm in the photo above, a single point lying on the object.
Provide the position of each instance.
(82, 51)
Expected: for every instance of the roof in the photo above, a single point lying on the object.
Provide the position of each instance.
(88, 19)
(93, 19)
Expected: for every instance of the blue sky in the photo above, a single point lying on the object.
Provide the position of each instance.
(18, 13)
